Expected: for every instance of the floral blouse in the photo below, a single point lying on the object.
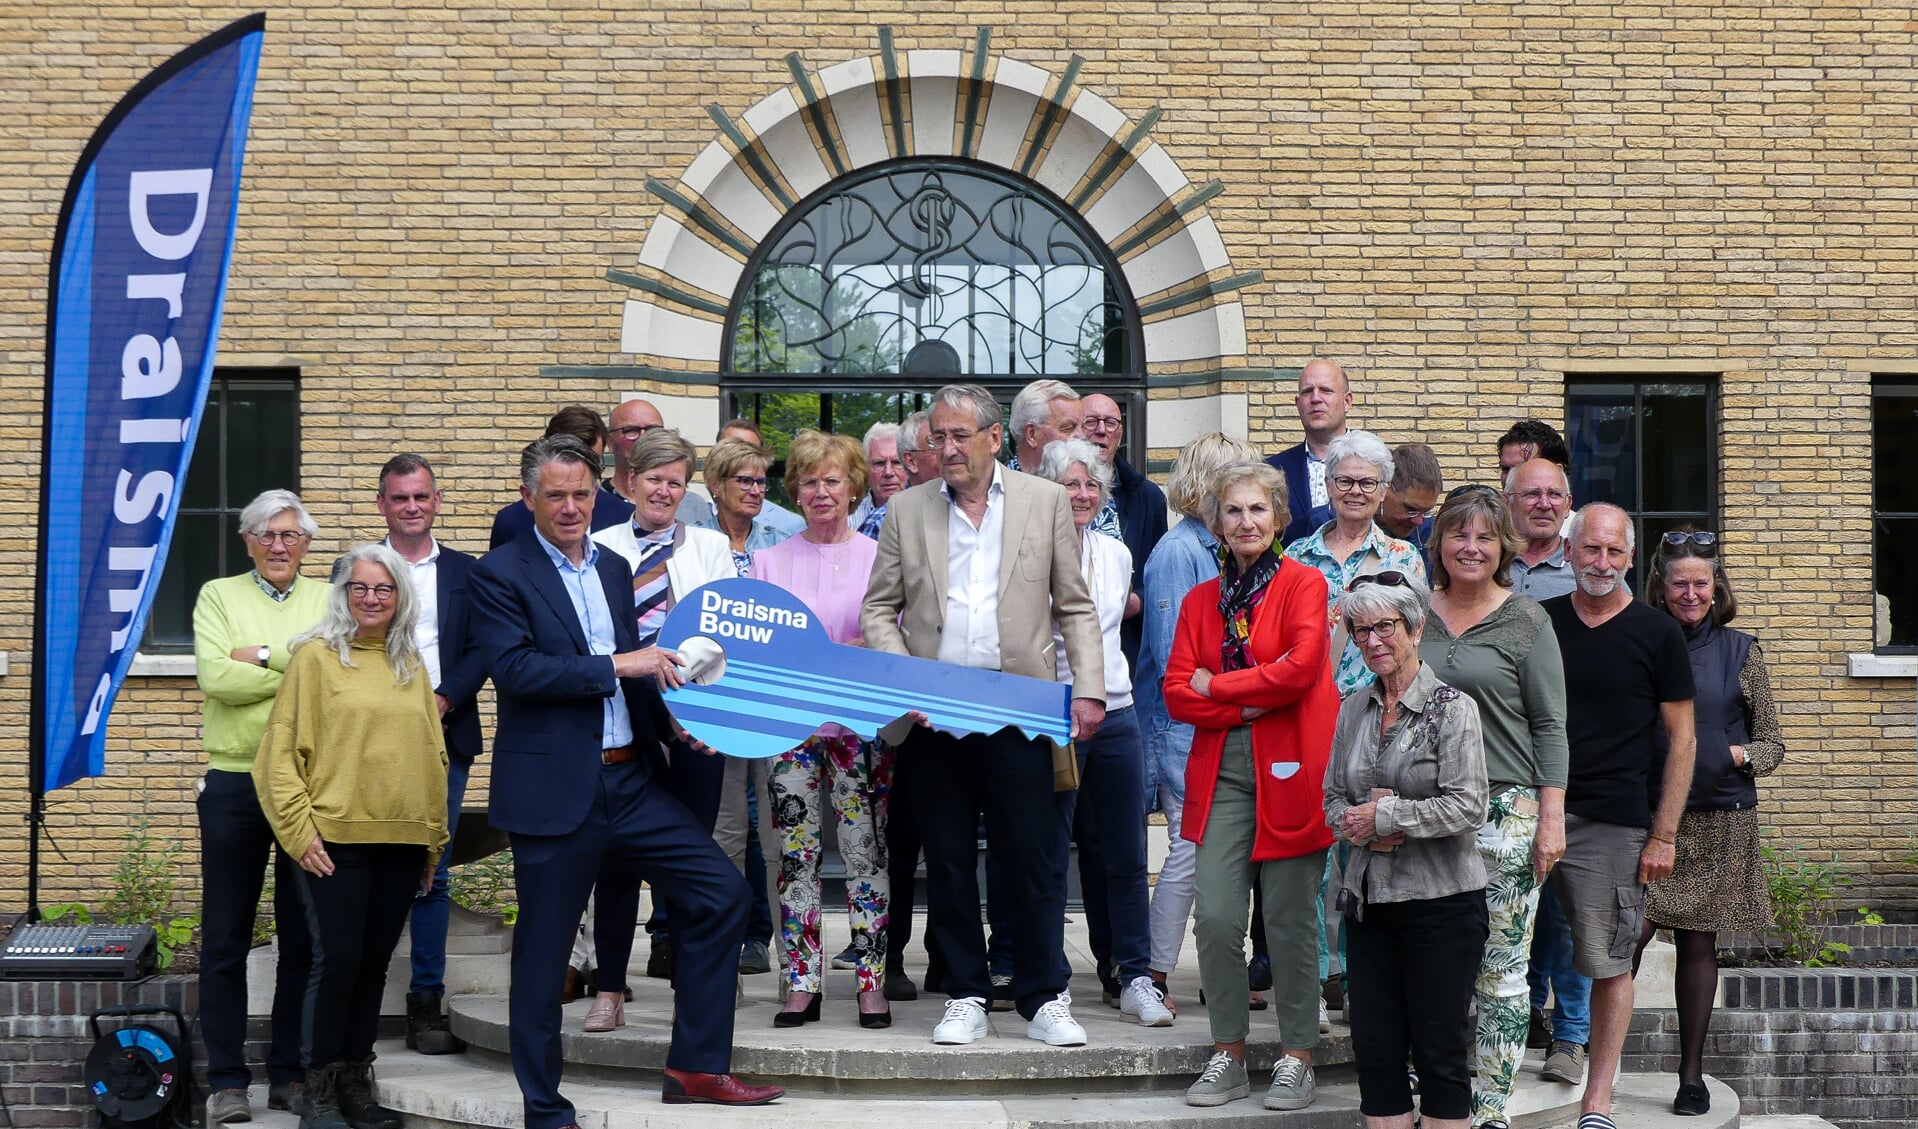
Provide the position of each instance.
(1380, 553)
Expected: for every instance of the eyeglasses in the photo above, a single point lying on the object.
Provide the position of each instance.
(634, 431)
(1100, 423)
(1348, 485)
(749, 483)
(380, 592)
(1678, 538)
(1390, 578)
(267, 538)
(1534, 497)
(827, 484)
(1470, 488)
(1383, 630)
(939, 440)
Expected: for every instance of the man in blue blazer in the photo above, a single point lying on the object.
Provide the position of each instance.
(1324, 398)
(579, 785)
(409, 499)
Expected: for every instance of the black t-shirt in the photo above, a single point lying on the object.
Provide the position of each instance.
(1616, 675)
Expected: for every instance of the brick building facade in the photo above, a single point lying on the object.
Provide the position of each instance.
(456, 217)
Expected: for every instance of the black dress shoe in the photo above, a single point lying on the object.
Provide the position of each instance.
(899, 987)
(1693, 1099)
(659, 960)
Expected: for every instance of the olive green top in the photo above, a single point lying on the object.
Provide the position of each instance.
(1509, 663)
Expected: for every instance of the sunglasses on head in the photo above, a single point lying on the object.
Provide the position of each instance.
(1391, 578)
(1679, 538)
(1472, 488)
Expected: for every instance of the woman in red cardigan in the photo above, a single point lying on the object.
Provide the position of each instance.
(1249, 671)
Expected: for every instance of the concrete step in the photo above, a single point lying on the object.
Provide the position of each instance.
(477, 1090)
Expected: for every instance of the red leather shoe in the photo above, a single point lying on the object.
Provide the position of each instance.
(682, 1087)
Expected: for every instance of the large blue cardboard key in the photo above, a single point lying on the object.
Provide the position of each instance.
(764, 677)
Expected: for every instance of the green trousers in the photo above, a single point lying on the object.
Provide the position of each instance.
(1222, 906)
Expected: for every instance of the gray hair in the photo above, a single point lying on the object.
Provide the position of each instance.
(1361, 445)
(1415, 466)
(271, 504)
(1033, 404)
(1260, 474)
(1056, 462)
(1192, 472)
(337, 629)
(883, 430)
(968, 398)
(658, 447)
(1409, 601)
(918, 421)
(1577, 525)
(1511, 476)
(554, 449)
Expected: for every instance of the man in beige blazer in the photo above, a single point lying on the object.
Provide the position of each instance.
(973, 569)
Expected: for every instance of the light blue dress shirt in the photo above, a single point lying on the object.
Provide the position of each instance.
(596, 619)
(1186, 557)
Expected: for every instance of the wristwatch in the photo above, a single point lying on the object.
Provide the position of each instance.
(266, 653)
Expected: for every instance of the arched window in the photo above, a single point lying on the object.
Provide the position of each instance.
(915, 273)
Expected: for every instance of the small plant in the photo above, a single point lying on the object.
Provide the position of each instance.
(141, 892)
(486, 886)
(1804, 896)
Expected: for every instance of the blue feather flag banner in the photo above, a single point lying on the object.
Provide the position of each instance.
(140, 259)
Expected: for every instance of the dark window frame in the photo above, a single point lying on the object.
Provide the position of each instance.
(213, 429)
(1712, 517)
(1886, 386)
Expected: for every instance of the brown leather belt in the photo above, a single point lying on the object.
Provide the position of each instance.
(621, 755)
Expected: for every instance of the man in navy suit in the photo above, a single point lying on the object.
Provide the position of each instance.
(409, 500)
(579, 784)
(1324, 397)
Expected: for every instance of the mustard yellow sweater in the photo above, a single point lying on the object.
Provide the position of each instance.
(351, 756)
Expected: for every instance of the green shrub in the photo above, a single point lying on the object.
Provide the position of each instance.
(141, 891)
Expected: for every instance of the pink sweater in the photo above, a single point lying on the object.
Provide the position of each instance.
(831, 579)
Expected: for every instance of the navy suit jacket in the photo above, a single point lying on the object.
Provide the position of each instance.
(462, 672)
(551, 688)
(516, 521)
(1306, 519)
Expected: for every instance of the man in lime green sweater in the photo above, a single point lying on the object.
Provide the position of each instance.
(241, 627)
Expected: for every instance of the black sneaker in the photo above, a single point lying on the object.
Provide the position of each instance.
(659, 959)
(1002, 997)
(1259, 971)
(899, 987)
(847, 960)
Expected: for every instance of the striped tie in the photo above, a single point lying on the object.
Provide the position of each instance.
(652, 588)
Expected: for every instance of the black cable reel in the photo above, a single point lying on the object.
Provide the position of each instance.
(140, 1075)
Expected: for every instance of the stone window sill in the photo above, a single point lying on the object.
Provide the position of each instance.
(1868, 665)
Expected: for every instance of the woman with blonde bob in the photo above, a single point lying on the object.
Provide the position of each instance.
(736, 478)
(352, 777)
(1499, 648)
(827, 565)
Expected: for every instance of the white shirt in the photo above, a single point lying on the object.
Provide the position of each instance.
(1107, 565)
(426, 593)
(970, 636)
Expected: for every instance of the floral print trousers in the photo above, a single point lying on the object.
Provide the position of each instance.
(1504, 999)
(858, 778)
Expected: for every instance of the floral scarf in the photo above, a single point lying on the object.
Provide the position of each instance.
(1239, 596)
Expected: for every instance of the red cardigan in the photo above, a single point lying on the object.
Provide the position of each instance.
(1293, 678)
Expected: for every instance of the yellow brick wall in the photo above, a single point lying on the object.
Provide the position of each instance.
(1460, 201)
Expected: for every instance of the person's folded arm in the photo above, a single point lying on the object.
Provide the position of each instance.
(1182, 702)
(1462, 791)
(1301, 663)
(221, 676)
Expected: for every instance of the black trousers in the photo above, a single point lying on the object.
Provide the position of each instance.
(355, 917)
(697, 780)
(1007, 778)
(1412, 968)
(903, 843)
(235, 847)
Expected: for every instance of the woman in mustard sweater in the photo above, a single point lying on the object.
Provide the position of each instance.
(352, 776)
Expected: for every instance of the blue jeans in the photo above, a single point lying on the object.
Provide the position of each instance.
(431, 909)
(1552, 967)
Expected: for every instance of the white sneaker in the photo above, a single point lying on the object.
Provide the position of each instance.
(965, 1022)
(1054, 1025)
(1140, 998)
(1325, 1018)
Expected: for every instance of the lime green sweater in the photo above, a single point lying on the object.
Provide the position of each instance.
(232, 613)
(352, 756)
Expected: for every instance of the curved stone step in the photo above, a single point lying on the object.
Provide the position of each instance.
(477, 1091)
(837, 1055)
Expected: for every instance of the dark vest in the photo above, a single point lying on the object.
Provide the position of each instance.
(1722, 718)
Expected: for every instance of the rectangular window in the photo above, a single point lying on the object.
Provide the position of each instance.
(1894, 513)
(1646, 444)
(249, 442)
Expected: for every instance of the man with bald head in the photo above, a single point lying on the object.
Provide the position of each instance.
(1135, 513)
(1540, 495)
(1324, 397)
(630, 420)
(1627, 672)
